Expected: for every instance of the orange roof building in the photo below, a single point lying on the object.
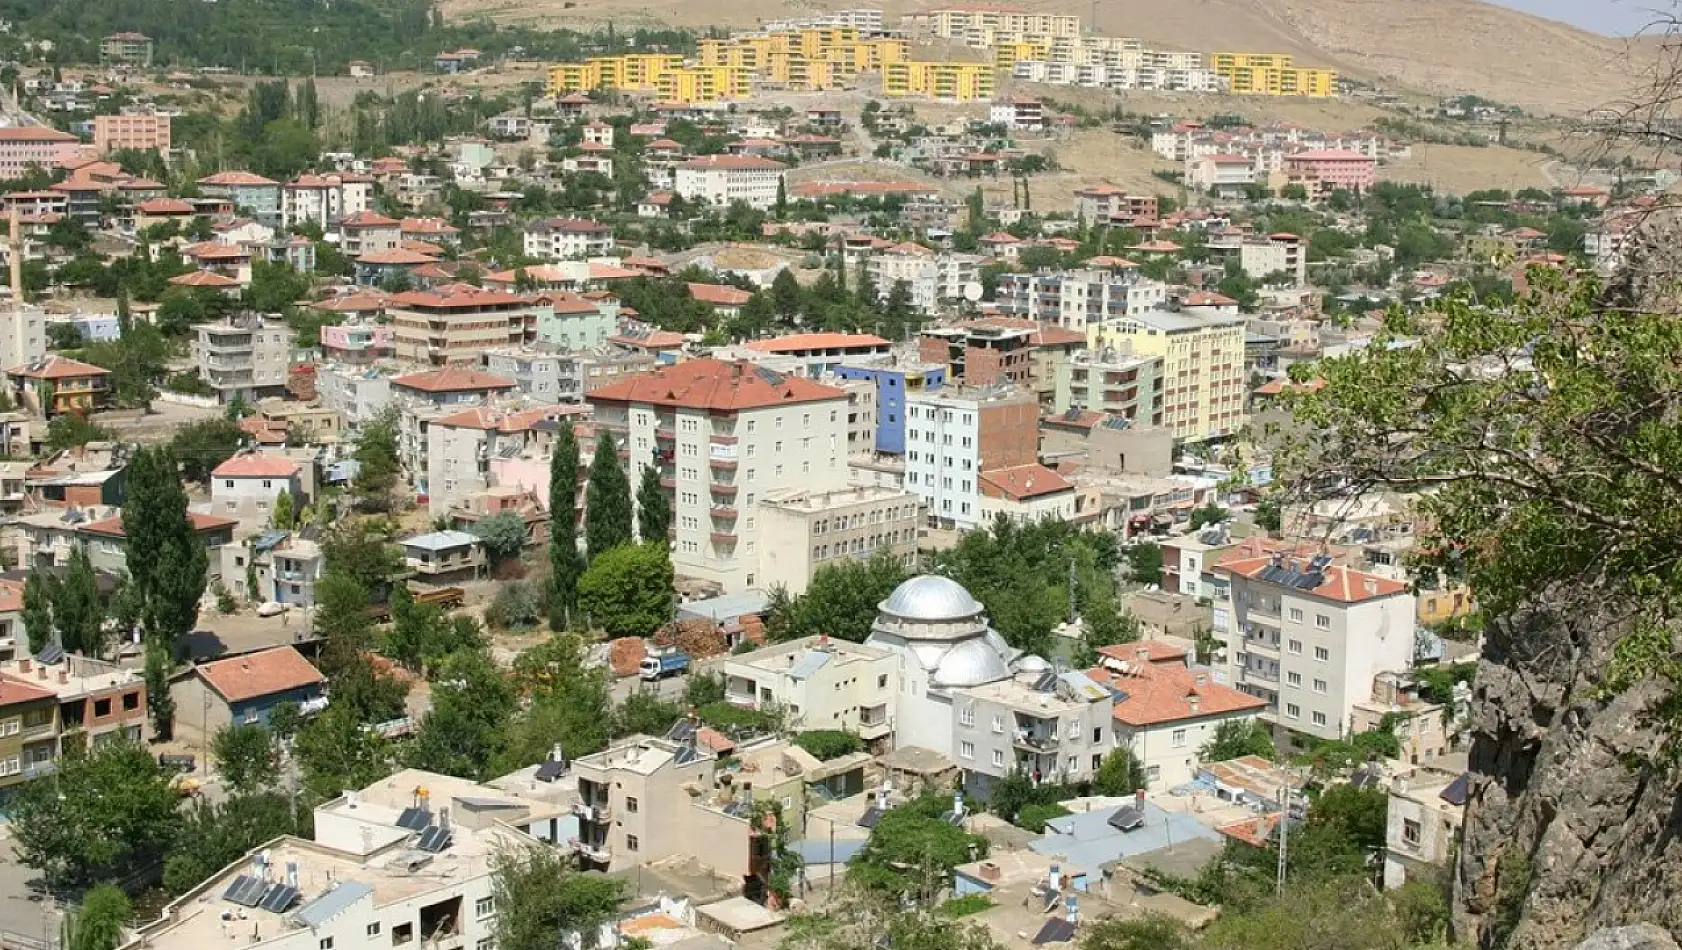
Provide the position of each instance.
(246, 689)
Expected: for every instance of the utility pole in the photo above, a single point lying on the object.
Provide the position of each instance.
(1284, 834)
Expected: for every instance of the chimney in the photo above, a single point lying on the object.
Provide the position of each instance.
(1371, 584)
(40, 672)
(15, 247)
(990, 871)
(64, 676)
(23, 665)
(1142, 654)
(1054, 880)
(1192, 700)
(1139, 797)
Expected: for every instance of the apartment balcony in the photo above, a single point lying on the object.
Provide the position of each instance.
(665, 433)
(598, 814)
(668, 483)
(33, 770)
(597, 853)
(1259, 676)
(1035, 741)
(724, 537)
(724, 512)
(724, 438)
(726, 464)
(724, 488)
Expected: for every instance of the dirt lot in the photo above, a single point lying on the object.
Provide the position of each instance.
(1459, 168)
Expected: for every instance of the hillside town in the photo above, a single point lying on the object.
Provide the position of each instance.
(858, 481)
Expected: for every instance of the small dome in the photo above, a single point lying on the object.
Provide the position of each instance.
(971, 663)
(931, 597)
(1032, 664)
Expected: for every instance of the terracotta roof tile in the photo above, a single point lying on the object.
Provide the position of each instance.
(256, 466)
(716, 385)
(800, 342)
(1022, 481)
(273, 671)
(1156, 694)
(57, 367)
(113, 527)
(453, 379)
(14, 691)
(1341, 584)
(719, 295)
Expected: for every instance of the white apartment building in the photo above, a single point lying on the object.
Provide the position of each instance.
(566, 239)
(804, 530)
(1077, 300)
(723, 180)
(247, 485)
(461, 445)
(821, 683)
(1168, 710)
(935, 279)
(1223, 174)
(358, 393)
(948, 433)
(1309, 638)
(724, 435)
(246, 358)
(324, 199)
(978, 26)
(406, 861)
(1263, 255)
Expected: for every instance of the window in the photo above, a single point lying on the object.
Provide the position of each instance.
(1097, 762)
(1296, 647)
(882, 681)
(1323, 621)
(1179, 738)
(1319, 686)
(630, 805)
(998, 758)
(1293, 711)
(131, 701)
(998, 723)
(631, 842)
(374, 929)
(1322, 654)
(966, 750)
(1319, 719)
(1294, 679)
(402, 933)
(1295, 615)
(326, 943)
(1072, 766)
(1074, 729)
(1098, 735)
(966, 716)
(484, 907)
(485, 943)
(102, 707)
(1410, 831)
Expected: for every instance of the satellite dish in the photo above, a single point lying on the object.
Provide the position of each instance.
(972, 291)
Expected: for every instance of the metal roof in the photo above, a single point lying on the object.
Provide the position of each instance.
(807, 665)
(329, 905)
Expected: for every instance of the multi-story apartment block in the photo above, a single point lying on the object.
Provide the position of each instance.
(324, 199)
(978, 26)
(1022, 113)
(724, 180)
(935, 279)
(723, 436)
(821, 683)
(820, 353)
(97, 701)
(565, 239)
(1422, 822)
(143, 133)
(1310, 637)
(1051, 726)
(126, 49)
(251, 194)
(1203, 382)
(1108, 205)
(247, 485)
(358, 394)
(1097, 75)
(696, 84)
(634, 808)
(461, 445)
(982, 353)
(1112, 381)
(1227, 175)
(1272, 74)
(633, 72)
(954, 434)
(420, 397)
(23, 147)
(954, 82)
(896, 378)
(247, 357)
(805, 530)
(1323, 171)
(368, 232)
(1262, 256)
(457, 323)
(1081, 299)
(29, 742)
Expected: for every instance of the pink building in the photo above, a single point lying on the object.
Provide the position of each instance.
(356, 343)
(22, 146)
(145, 133)
(1331, 170)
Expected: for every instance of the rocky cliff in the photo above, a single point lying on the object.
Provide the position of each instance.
(1567, 832)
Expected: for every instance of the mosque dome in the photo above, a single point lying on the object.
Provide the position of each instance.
(931, 597)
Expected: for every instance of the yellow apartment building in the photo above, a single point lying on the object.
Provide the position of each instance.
(959, 82)
(1272, 74)
(631, 72)
(1007, 55)
(1203, 381)
(690, 85)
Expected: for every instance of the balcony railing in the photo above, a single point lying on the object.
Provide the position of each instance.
(1039, 742)
(599, 853)
(600, 814)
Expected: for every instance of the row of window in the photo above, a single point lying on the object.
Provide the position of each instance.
(1322, 654)
(1295, 679)
(1293, 711)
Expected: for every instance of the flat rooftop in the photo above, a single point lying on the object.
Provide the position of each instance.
(801, 500)
(71, 676)
(643, 755)
(813, 652)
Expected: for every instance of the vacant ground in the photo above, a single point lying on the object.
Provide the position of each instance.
(1459, 169)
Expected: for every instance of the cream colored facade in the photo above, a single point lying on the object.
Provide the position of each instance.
(820, 683)
(980, 26)
(802, 531)
(1421, 823)
(635, 807)
(1203, 384)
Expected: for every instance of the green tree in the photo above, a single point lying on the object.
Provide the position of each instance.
(78, 613)
(826, 744)
(607, 504)
(786, 296)
(1104, 625)
(841, 600)
(37, 613)
(98, 923)
(69, 430)
(568, 704)
(1208, 514)
(1150, 932)
(377, 462)
(543, 901)
(643, 712)
(284, 515)
(1144, 562)
(1237, 737)
(627, 591)
(470, 701)
(341, 619)
(913, 849)
(167, 562)
(159, 703)
(246, 757)
(110, 810)
(514, 607)
(1119, 774)
(203, 445)
(503, 535)
(654, 509)
(216, 834)
(566, 563)
(1032, 818)
(1269, 515)
(335, 752)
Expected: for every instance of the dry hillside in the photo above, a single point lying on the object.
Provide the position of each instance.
(1439, 46)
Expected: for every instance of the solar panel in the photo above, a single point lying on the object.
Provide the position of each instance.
(550, 771)
(51, 652)
(279, 898)
(685, 754)
(1458, 791)
(434, 839)
(1054, 931)
(1127, 818)
(1046, 682)
(1118, 422)
(870, 817)
(414, 819)
(682, 730)
(246, 890)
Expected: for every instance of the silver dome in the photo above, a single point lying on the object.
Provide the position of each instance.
(1032, 664)
(971, 663)
(931, 597)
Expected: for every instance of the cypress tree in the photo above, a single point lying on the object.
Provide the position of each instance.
(565, 562)
(654, 509)
(166, 560)
(607, 501)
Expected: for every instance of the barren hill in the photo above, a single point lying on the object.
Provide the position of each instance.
(1437, 46)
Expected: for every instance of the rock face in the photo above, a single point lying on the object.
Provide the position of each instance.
(1637, 937)
(1567, 832)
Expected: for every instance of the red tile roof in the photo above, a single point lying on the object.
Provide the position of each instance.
(653, 340)
(1329, 155)
(1023, 481)
(34, 133)
(459, 297)
(204, 278)
(353, 303)
(1341, 584)
(57, 367)
(14, 691)
(1162, 693)
(1148, 651)
(717, 385)
(113, 527)
(241, 678)
(164, 206)
(11, 597)
(256, 466)
(368, 219)
(800, 342)
(428, 226)
(453, 380)
(719, 295)
(396, 256)
(1256, 832)
(734, 163)
(1274, 387)
(236, 178)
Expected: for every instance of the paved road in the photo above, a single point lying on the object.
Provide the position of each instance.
(24, 910)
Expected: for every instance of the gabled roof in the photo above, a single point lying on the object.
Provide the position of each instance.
(113, 527)
(164, 206)
(57, 367)
(1155, 694)
(1338, 583)
(800, 342)
(34, 133)
(719, 295)
(368, 219)
(396, 256)
(204, 278)
(256, 675)
(233, 178)
(256, 466)
(1020, 482)
(459, 297)
(717, 385)
(453, 379)
(14, 691)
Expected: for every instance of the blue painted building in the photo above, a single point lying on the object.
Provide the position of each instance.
(244, 690)
(97, 327)
(893, 381)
